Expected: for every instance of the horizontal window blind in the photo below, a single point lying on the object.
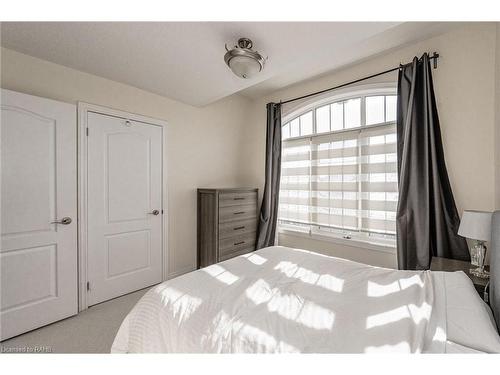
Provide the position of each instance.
(341, 180)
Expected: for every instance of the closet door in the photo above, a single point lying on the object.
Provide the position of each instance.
(38, 249)
(124, 206)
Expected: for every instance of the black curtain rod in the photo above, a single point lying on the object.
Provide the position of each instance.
(434, 57)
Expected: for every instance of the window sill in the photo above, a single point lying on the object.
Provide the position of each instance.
(367, 245)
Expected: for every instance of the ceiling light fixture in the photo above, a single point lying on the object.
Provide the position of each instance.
(243, 61)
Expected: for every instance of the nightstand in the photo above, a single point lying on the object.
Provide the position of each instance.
(451, 265)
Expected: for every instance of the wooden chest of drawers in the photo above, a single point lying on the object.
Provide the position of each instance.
(227, 224)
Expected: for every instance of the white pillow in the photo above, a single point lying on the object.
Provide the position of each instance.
(469, 319)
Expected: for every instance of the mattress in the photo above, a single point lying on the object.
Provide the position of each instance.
(284, 300)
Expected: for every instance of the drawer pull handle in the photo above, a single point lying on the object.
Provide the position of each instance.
(238, 228)
(239, 213)
(239, 243)
(238, 198)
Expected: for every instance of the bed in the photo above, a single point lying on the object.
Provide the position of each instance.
(284, 300)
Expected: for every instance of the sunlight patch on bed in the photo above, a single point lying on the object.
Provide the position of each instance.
(288, 305)
(387, 317)
(419, 313)
(307, 276)
(255, 259)
(315, 316)
(288, 268)
(439, 335)
(380, 290)
(230, 335)
(331, 283)
(255, 339)
(221, 332)
(259, 292)
(416, 313)
(221, 274)
(181, 304)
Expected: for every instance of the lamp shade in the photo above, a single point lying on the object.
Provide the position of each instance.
(243, 60)
(244, 66)
(476, 225)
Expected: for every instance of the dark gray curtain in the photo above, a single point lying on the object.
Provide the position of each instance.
(495, 267)
(269, 210)
(427, 219)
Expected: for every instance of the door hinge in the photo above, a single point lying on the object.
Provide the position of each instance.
(87, 131)
(88, 286)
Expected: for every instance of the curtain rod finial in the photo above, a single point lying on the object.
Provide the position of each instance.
(435, 56)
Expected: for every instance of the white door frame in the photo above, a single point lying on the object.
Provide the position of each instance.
(83, 109)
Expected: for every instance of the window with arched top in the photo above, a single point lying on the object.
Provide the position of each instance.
(339, 166)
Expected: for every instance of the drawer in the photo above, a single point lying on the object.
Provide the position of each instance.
(236, 243)
(238, 199)
(233, 213)
(236, 253)
(233, 228)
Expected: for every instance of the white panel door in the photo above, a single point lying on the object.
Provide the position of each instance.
(124, 206)
(38, 258)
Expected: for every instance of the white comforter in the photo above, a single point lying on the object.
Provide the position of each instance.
(287, 300)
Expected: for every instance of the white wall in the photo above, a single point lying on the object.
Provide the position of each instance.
(465, 90)
(223, 144)
(203, 143)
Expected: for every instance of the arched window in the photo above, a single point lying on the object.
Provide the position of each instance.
(339, 166)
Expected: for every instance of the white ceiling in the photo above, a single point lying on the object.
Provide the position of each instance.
(184, 60)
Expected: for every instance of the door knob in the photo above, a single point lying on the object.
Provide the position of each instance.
(155, 212)
(64, 221)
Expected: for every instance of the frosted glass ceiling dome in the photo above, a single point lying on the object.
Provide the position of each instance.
(243, 61)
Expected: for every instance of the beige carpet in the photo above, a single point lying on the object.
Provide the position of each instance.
(91, 331)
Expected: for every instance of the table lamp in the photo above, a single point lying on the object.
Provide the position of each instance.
(476, 225)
